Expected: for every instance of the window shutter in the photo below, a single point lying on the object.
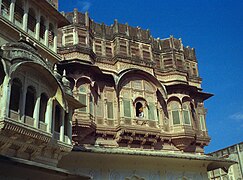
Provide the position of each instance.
(186, 116)
(91, 105)
(176, 117)
(202, 123)
(82, 99)
(127, 108)
(99, 109)
(151, 111)
(110, 110)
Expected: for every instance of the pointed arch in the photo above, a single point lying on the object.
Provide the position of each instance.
(123, 75)
(57, 92)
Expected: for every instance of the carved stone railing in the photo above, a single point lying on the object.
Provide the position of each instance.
(139, 121)
(43, 126)
(56, 135)
(14, 115)
(66, 139)
(5, 14)
(29, 120)
(180, 128)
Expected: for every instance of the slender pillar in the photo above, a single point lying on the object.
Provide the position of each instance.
(87, 39)
(121, 107)
(22, 104)
(37, 26)
(140, 51)
(37, 112)
(75, 36)
(55, 42)
(5, 100)
(105, 108)
(61, 138)
(25, 17)
(47, 33)
(63, 38)
(240, 159)
(49, 115)
(88, 102)
(0, 6)
(69, 128)
(11, 10)
(155, 112)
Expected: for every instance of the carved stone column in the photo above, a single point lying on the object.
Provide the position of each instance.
(0, 5)
(121, 107)
(105, 110)
(11, 10)
(49, 115)
(69, 128)
(61, 138)
(63, 38)
(88, 102)
(156, 117)
(75, 36)
(37, 112)
(47, 33)
(25, 17)
(22, 103)
(37, 26)
(55, 41)
(140, 50)
(5, 100)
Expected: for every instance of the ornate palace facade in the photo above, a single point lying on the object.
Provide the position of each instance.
(139, 103)
(143, 99)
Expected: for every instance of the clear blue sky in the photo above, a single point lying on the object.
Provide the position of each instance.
(213, 27)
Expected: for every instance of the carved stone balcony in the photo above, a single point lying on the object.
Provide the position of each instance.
(83, 125)
(23, 140)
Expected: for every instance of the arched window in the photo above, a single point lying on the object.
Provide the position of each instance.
(43, 106)
(175, 112)
(139, 109)
(5, 7)
(42, 27)
(82, 96)
(31, 20)
(51, 34)
(15, 94)
(30, 101)
(186, 113)
(57, 123)
(19, 11)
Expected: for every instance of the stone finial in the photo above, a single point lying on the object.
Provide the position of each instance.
(55, 68)
(116, 25)
(56, 74)
(75, 15)
(66, 83)
(86, 18)
(181, 47)
(64, 73)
